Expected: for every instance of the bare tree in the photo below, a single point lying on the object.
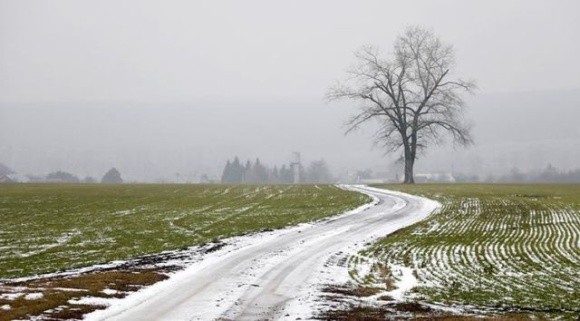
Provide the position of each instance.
(413, 94)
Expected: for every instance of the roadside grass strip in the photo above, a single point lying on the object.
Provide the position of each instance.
(510, 248)
(48, 228)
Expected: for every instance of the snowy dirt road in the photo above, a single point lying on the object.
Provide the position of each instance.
(273, 275)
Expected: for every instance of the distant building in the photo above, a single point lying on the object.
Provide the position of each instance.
(434, 178)
(370, 181)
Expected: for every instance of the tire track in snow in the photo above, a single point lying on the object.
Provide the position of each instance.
(272, 275)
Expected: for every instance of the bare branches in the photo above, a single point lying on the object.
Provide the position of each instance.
(413, 93)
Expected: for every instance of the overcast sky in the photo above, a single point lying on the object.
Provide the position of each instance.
(267, 62)
(160, 51)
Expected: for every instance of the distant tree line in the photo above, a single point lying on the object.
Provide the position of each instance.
(549, 174)
(62, 177)
(112, 176)
(236, 172)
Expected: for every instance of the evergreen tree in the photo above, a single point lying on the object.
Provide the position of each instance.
(274, 176)
(259, 172)
(248, 175)
(286, 175)
(227, 173)
(237, 171)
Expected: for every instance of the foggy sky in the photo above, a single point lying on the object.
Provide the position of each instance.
(164, 87)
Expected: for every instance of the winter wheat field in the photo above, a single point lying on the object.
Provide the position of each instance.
(509, 248)
(288, 252)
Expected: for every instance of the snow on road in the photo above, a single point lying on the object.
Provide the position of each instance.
(273, 275)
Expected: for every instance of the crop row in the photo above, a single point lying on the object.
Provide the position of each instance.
(45, 228)
(498, 250)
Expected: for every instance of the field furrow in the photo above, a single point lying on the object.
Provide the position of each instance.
(501, 247)
(47, 228)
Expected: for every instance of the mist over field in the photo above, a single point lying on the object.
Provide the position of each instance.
(170, 92)
(150, 142)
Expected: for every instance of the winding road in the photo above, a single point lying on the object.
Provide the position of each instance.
(274, 276)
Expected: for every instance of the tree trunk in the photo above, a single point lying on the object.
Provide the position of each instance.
(409, 163)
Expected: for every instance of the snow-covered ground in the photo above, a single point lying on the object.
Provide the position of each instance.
(272, 275)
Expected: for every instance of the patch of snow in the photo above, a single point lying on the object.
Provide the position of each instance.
(34, 296)
(90, 300)
(5, 307)
(406, 281)
(62, 239)
(10, 296)
(125, 212)
(110, 291)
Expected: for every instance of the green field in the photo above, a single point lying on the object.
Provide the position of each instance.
(503, 247)
(46, 228)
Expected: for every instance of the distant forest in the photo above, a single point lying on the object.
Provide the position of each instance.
(257, 173)
(549, 174)
(113, 176)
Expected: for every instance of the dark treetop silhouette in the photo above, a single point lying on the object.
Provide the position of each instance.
(112, 177)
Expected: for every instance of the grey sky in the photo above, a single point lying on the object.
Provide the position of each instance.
(250, 62)
(182, 50)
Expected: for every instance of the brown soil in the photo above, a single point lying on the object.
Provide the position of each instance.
(57, 291)
(347, 306)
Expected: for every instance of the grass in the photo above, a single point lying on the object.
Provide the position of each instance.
(47, 228)
(497, 247)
